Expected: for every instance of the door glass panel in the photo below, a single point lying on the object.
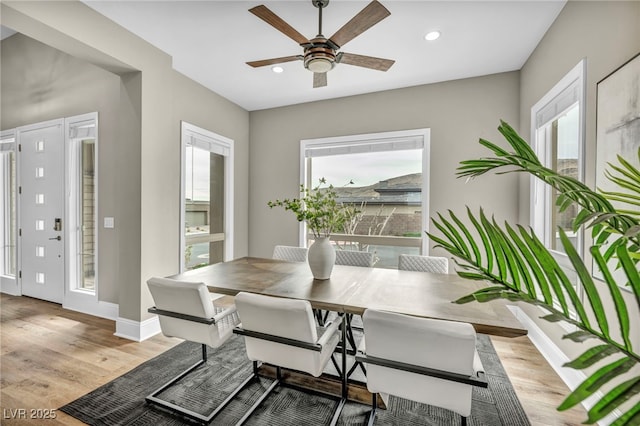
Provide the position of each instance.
(204, 207)
(564, 160)
(88, 214)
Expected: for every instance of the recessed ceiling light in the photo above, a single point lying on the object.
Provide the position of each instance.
(433, 35)
(277, 69)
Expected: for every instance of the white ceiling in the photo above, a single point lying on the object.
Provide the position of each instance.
(210, 41)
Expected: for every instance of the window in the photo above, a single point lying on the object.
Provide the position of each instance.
(83, 201)
(8, 211)
(557, 132)
(207, 209)
(384, 176)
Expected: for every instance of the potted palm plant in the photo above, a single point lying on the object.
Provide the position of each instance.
(520, 268)
(323, 214)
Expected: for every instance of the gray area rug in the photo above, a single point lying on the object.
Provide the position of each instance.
(121, 402)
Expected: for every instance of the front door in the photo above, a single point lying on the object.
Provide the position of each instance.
(41, 192)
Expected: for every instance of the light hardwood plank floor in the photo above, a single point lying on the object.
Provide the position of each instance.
(50, 356)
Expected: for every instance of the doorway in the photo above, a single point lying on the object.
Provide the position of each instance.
(55, 214)
(41, 210)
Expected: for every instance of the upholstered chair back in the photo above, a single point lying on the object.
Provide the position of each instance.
(354, 258)
(192, 299)
(290, 253)
(437, 265)
(438, 344)
(289, 318)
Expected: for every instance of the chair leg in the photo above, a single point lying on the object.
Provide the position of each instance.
(343, 377)
(258, 402)
(153, 399)
(374, 409)
(464, 421)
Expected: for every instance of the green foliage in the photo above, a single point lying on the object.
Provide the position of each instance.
(520, 268)
(319, 208)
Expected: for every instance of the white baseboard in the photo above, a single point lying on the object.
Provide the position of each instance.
(556, 358)
(95, 308)
(9, 285)
(137, 331)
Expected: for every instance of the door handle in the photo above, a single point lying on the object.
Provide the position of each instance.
(56, 238)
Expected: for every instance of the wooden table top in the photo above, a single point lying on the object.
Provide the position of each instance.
(353, 289)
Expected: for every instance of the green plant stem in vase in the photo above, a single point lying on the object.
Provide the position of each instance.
(323, 214)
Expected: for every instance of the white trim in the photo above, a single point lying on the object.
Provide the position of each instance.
(10, 285)
(409, 139)
(75, 298)
(135, 330)
(539, 191)
(556, 359)
(218, 144)
(91, 306)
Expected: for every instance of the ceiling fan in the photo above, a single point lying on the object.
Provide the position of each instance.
(320, 53)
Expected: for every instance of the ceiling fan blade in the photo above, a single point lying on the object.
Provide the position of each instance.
(373, 13)
(278, 23)
(366, 61)
(319, 79)
(274, 61)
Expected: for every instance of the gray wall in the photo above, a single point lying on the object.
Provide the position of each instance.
(141, 167)
(201, 107)
(457, 112)
(40, 83)
(607, 34)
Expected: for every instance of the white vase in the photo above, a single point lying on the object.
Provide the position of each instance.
(321, 258)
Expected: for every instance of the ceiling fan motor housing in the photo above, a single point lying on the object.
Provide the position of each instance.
(319, 57)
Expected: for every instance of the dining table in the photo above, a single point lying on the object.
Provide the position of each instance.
(350, 291)
(353, 289)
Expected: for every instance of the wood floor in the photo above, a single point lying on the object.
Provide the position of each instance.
(50, 356)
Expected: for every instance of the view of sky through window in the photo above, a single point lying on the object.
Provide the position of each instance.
(366, 168)
(197, 177)
(568, 134)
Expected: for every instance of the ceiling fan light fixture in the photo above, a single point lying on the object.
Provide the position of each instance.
(277, 69)
(319, 65)
(433, 35)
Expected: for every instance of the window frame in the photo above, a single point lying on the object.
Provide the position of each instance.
(8, 138)
(78, 129)
(553, 105)
(220, 145)
(402, 139)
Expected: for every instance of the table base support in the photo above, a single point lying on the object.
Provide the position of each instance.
(327, 384)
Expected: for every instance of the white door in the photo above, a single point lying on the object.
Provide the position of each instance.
(41, 160)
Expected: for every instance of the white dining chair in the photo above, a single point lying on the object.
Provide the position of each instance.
(354, 258)
(282, 332)
(186, 310)
(410, 262)
(425, 360)
(290, 253)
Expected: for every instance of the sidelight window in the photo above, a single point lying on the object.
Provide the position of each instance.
(8, 210)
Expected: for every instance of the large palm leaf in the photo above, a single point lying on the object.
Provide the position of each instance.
(521, 268)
